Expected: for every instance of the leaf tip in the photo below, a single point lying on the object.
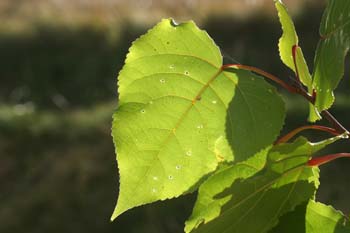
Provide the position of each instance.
(117, 212)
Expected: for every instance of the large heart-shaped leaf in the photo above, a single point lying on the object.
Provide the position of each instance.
(180, 114)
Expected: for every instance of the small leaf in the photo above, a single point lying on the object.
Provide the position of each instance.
(289, 36)
(255, 204)
(313, 217)
(180, 114)
(306, 79)
(331, 51)
(321, 218)
(288, 40)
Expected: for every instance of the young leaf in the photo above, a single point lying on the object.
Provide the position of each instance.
(287, 42)
(331, 51)
(180, 114)
(313, 217)
(255, 204)
(289, 36)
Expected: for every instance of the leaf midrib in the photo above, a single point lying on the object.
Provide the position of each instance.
(194, 100)
(335, 30)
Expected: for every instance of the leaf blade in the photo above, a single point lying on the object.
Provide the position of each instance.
(287, 42)
(331, 51)
(313, 217)
(285, 172)
(174, 99)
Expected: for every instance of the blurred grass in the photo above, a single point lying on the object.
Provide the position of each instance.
(58, 174)
(16, 119)
(58, 92)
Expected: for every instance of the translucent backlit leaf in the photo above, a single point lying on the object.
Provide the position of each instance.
(180, 114)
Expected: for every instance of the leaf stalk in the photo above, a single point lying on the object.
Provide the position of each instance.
(326, 159)
(294, 132)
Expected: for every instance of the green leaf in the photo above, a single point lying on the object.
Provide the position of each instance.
(288, 40)
(313, 217)
(321, 218)
(207, 207)
(255, 204)
(289, 36)
(331, 51)
(180, 114)
(306, 79)
(293, 221)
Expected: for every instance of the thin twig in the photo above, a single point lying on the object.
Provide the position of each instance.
(292, 89)
(294, 132)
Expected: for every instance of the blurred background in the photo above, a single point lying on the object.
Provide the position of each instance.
(58, 73)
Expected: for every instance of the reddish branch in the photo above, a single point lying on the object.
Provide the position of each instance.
(299, 89)
(294, 132)
(263, 73)
(330, 118)
(293, 89)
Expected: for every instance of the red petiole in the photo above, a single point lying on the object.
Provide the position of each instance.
(337, 127)
(292, 89)
(263, 73)
(327, 158)
(291, 134)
